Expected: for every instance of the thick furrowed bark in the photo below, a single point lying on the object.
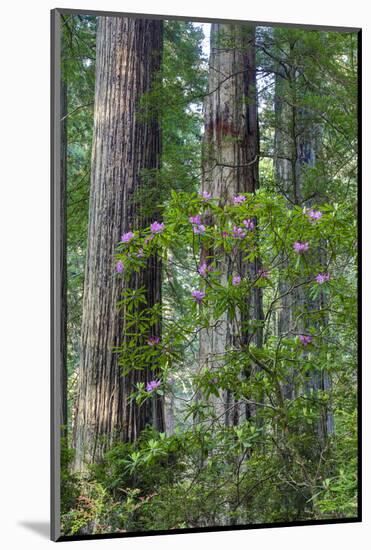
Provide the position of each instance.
(124, 144)
(230, 166)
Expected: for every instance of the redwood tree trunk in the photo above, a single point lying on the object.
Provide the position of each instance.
(230, 166)
(297, 143)
(124, 144)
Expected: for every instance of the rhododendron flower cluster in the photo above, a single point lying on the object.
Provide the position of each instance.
(199, 229)
(301, 247)
(127, 237)
(249, 224)
(157, 227)
(239, 199)
(305, 339)
(198, 295)
(196, 220)
(119, 267)
(153, 340)
(153, 385)
(314, 215)
(205, 195)
(322, 278)
(238, 232)
(203, 269)
(236, 280)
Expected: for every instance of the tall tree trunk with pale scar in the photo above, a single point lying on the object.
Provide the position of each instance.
(230, 166)
(125, 143)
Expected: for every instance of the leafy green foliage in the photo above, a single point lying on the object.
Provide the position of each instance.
(78, 78)
(305, 477)
(293, 454)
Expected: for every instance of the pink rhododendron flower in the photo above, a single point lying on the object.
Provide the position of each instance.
(202, 269)
(300, 247)
(314, 215)
(225, 234)
(236, 280)
(153, 340)
(239, 199)
(199, 229)
(322, 278)
(249, 224)
(305, 339)
(119, 267)
(198, 295)
(195, 219)
(205, 195)
(127, 237)
(157, 227)
(153, 385)
(238, 232)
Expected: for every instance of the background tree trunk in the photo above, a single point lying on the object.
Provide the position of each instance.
(297, 144)
(230, 166)
(124, 144)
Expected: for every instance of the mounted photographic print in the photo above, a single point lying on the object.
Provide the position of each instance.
(205, 296)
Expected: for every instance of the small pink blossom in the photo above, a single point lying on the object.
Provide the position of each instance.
(314, 215)
(322, 278)
(203, 269)
(199, 229)
(127, 237)
(236, 280)
(225, 234)
(249, 224)
(205, 195)
(238, 232)
(153, 385)
(239, 199)
(153, 340)
(198, 295)
(119, 267)
(196, 220)
(157, 227)
(305, 339)
(300, 247)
